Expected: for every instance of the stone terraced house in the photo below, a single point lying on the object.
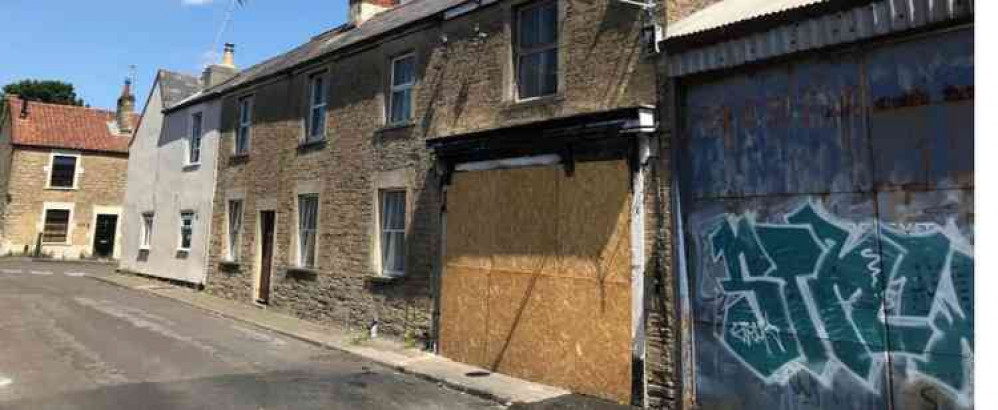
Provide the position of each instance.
(481, 178)
(62, 177)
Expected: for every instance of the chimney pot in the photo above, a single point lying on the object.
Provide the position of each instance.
(362, 10)
(126, 106)
(229, 55)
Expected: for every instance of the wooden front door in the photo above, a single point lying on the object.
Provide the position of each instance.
(266, 254)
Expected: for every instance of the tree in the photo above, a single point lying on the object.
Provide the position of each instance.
(48, 91)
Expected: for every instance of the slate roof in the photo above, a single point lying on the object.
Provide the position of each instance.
(66, 126)
(175, 87)
(336, 39)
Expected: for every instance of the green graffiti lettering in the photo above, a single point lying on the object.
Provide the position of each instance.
(816, 291)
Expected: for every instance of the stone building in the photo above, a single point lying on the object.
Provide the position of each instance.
(62, 174)
(171, 178)
(418, 168)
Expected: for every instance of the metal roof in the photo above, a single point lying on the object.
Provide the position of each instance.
(333, 40)
(733, 33)
(732, 11)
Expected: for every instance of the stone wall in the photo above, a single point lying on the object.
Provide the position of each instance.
(464, 83)
(100, 183)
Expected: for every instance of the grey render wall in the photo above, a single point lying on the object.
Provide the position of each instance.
(159, 181)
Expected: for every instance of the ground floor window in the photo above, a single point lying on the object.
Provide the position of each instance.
(308, 223)
(186, 229)
(392, 232)
(235, 227)
(56, 226)
(146, 230)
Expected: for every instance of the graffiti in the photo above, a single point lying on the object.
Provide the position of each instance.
(823, 296)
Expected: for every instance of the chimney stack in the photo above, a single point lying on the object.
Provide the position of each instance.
(361, 10)
(24, 108)
(126, 107)
(216, 74)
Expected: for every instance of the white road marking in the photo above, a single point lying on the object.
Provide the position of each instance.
(75, 274)
(11, 271)
(4, 382)
(41, 272)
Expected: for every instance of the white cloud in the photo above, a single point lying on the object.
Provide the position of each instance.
(195, 2)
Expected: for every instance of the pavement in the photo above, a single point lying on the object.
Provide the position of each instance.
(392, 354)
(68, 341)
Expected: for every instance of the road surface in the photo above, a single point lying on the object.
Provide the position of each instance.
(68, 341)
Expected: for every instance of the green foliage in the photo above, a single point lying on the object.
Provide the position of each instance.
(47, 91)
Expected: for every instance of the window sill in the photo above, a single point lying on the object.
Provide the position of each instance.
(239, 158)
(229, 266)
(56, 188)
(383, 279)
(191, 167)
(56, 244)
(302, 273)
(536, 101)
(397, 126)
(313, 145)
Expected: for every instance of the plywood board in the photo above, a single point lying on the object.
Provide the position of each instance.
(537, 277)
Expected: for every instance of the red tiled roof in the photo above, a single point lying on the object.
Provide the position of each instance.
(66, 126)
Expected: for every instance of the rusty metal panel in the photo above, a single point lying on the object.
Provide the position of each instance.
(828, 220)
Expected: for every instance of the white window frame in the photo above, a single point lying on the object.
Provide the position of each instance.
(234, 239)
(313, 106)
(519, 53)
(393, 88)
(180, 239)
(300, 257)
(193, 147)
(57, 206)
(77, 169)
(244, 126)
(145, 238)
(383, 270)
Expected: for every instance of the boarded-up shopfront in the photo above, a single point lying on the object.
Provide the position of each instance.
(537, 277)
(827, 210)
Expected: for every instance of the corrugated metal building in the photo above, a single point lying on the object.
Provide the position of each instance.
(824, 190)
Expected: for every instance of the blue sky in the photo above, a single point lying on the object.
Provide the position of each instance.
(92, 43)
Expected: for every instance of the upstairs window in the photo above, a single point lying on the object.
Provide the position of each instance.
(56, 226)
(308, 224)
(63, 171)
(392, 233)
(536, 50)
(186, 230)
(315, 129)
(403, 78)
(146, 230)
(243, 128)
(194, 147)
(235, 227)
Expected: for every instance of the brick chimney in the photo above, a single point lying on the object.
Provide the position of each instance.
(216, 74)
(126, 107)
(361, 10)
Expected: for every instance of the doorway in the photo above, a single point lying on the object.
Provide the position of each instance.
(266, 255)
(104, 231)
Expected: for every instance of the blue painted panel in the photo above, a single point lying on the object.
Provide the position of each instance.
(830, 232)
(790, 129)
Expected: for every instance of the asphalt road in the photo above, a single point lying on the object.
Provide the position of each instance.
(68, 341)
